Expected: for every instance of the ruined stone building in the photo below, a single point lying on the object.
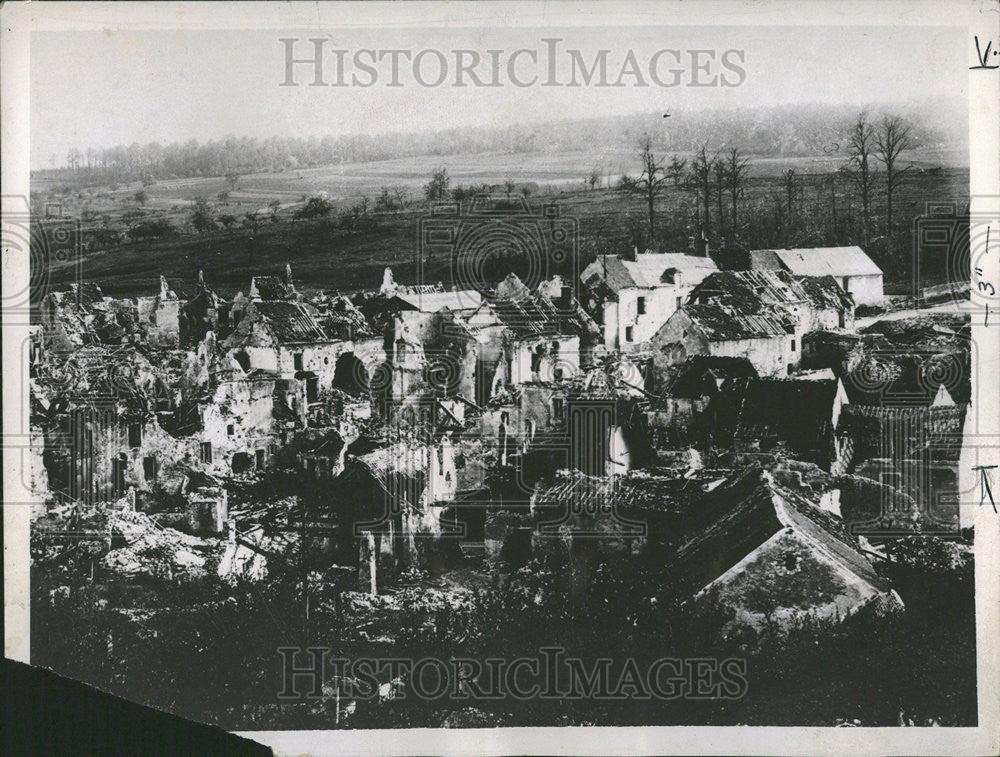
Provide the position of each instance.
(248, 417)
(798, 416)
(631, 299)
(274, 288)
(104, 414)
(767, 338)
(853, 270)
(678, 416)
(203, 312)
(768, 554)
(284, 337)
(528, 337)
(815, 302)
(160, 317)
(83, 316)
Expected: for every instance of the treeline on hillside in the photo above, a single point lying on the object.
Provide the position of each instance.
(785, 130)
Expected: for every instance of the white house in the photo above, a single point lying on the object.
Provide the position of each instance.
(854, 271)
(634, 298)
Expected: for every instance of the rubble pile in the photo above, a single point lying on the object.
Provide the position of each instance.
(153, 550)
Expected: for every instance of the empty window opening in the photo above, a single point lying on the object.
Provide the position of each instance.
(241, 462)
(558, 407)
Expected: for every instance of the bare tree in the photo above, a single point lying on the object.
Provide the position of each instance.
(737, 170)
(699, 181)
(650, 184)
(719, 172)
(788, 177)
(892, 138)
(862, 169)
(676, 170)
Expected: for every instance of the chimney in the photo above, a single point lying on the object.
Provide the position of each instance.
(164, 288)
(388, 283)
(565, 295)
(201, 279)
(288, 276)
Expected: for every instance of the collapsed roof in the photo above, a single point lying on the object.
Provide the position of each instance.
(647, 270)
(719, 323)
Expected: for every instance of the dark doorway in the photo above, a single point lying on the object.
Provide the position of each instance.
(118, 466)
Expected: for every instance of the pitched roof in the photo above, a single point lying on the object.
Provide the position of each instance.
(289, 322)
(724, 324)
(432, 302)
(746, 290)
(735, 518)
(608, 271)
(827, 261)
(596, 493)
(901, 433)
(747, 510)
(340, 316)
(827, 531)
(824, 293)
(270, 288)
(904, 379)
(646, 271)
(764, 260)
(648, 267)
(527, 314)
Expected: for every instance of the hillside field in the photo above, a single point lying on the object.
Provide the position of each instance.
(326, 254)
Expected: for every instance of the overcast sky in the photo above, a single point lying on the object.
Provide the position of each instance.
(99, 89)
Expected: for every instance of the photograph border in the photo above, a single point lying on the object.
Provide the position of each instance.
(981, 17)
